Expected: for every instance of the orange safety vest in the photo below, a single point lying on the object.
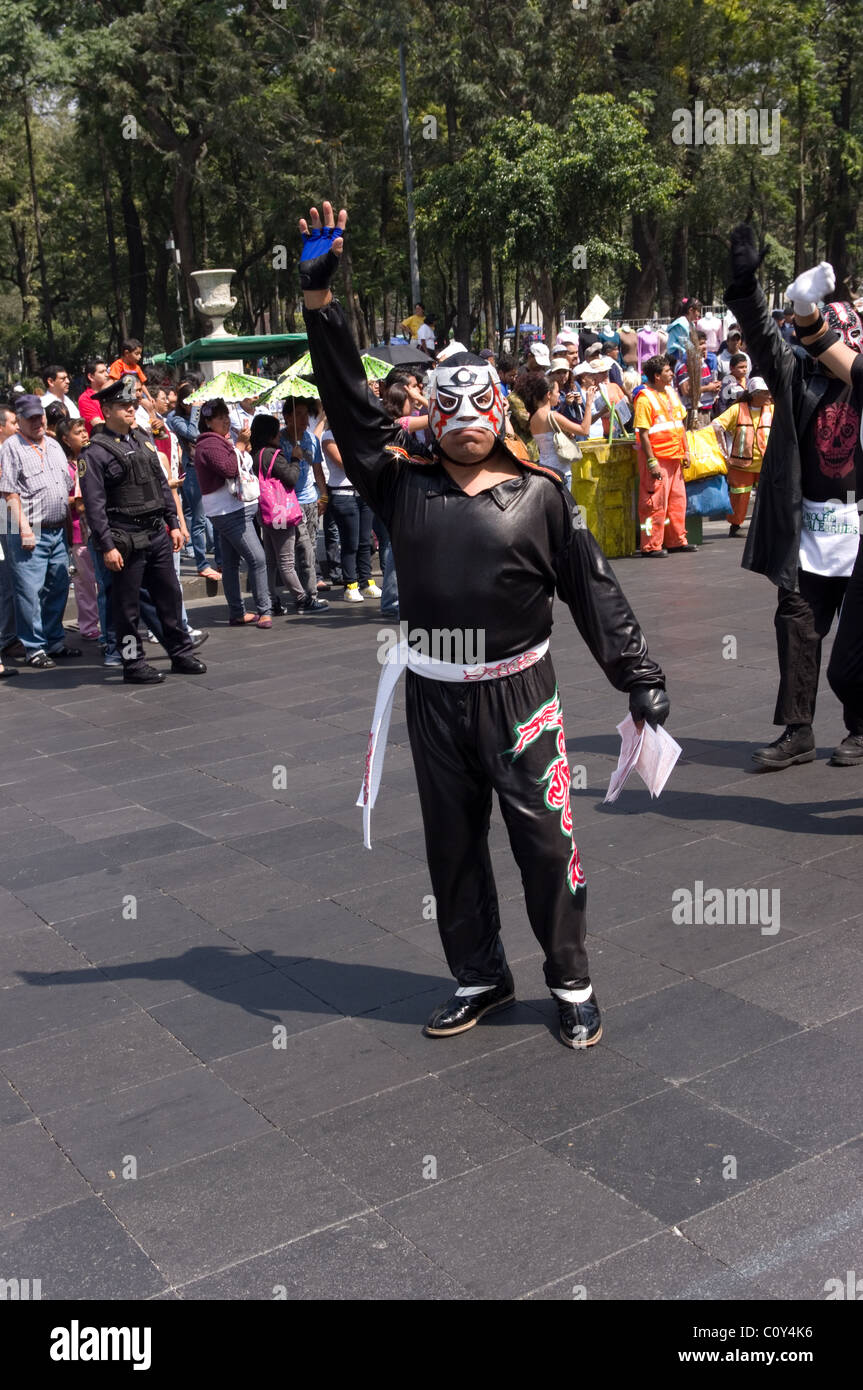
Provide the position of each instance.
(746, 435)
(667, 433)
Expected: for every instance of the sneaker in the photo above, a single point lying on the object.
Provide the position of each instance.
(372, 590)
(795, 745)
(849, 752)
(352, 593)
(312, 604)
(580, 1024)
(113, 661)
(41, 660)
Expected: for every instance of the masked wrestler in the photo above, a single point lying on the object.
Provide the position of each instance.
(835, 340)
(482, 541)
(804, 529)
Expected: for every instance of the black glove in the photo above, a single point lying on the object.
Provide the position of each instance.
(745, 256)
(649, 702)
(318, 261)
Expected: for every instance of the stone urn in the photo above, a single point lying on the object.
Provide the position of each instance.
(215, 300)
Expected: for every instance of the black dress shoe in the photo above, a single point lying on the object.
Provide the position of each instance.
(461, 1012)
(653, 554)
(143, 675)
(15, 650)
(733, 531)
(682, 549)
(849, 753)
(187, 666)
(580, 1024)
(795, 745)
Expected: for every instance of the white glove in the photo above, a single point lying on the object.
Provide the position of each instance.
(809, 287)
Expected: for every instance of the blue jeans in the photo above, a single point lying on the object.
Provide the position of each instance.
(389, 583)
(196, 521)
(240, 542)
(104, 580)
(354, 520)
(40, 582)
(8, 631)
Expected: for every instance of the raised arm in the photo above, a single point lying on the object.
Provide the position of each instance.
(361, 427)
(771, 356)
(820, 339)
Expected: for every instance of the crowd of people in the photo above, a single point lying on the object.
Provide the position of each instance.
(267, 495)
(250, 490)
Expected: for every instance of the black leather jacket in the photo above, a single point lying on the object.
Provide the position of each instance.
(493, 561)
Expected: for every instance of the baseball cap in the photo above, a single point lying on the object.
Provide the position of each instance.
(28, 406)
(123, 391)
(539, 352)
(486, 354)
(757, 383)
(581, 368)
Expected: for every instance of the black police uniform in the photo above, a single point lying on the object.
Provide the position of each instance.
(128, 503)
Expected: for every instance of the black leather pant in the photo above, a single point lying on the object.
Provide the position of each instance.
(845, 670)
(505, 736)
(802, 621)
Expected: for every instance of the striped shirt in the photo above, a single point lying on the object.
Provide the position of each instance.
(39, 474)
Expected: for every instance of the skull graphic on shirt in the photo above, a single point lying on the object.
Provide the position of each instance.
(836, 429)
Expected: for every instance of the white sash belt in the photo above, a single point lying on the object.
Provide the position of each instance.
(397, 660)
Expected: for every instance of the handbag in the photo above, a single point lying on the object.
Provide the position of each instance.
(279, 507)
(245, 485)
(567, 449)
(708, 497)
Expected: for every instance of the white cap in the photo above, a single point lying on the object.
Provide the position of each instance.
(539, 352)
(756, 383)
(581, 368)
(566, 338)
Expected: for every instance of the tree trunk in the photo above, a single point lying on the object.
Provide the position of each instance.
(111, 237)
(37, 224)
(22, 278)
(488, 296)
(842, 207)
(186, 161)
(679, 277)
(135, 246)
(462, 280)
(640, 293)
(502, 307)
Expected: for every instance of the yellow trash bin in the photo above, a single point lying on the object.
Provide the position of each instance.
(605, 486)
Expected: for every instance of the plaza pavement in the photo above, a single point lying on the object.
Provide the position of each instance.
(206, 981)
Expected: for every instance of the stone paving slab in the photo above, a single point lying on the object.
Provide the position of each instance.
(203, 970)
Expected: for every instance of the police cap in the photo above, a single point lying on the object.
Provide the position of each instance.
(124, 391)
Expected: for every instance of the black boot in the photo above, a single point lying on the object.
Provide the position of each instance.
(461, 1012)
(143, 675)
(186, 665)
(795, 745)
(580, 1024)
(849, 753)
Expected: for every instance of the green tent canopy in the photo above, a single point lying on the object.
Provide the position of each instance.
(231, 387)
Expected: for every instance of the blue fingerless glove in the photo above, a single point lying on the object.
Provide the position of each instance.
(318, 261)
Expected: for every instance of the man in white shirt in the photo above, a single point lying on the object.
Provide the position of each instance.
(56, 381)
(426, 335)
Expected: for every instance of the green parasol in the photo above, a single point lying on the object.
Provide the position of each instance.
(375, 369)
(287, 387)
(231, 387)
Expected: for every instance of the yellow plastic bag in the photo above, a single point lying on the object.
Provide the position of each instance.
(706, 454)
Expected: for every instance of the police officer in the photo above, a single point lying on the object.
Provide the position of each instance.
(128, 503)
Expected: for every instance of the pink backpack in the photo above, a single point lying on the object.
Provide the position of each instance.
(279, 508)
